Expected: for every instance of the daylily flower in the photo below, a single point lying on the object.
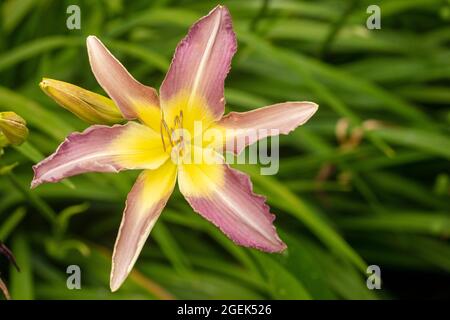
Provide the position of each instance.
(192, 92)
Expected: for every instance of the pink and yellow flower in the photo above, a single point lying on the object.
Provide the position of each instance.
(192, 92)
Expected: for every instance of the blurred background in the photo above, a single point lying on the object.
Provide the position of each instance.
(364, 182)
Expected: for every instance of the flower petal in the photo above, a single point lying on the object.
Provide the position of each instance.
(144, 205)
(260, 123)
(225, 197)
(201, 62)
(130, 96)
(102, 149)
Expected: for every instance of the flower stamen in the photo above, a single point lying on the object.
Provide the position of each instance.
(165, 128)
(178, 124)
(170, 132)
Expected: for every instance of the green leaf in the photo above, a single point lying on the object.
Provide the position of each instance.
(13, 11)
(282, 284)
(416, 138)
(8, 225)
(282, 197)
(21, 286)
(170, 247)
(436, 224)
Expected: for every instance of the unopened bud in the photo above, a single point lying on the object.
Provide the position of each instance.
(13, 127)
(86, 105)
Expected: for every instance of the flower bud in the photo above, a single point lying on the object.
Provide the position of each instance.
(13, 128)
(86, 105)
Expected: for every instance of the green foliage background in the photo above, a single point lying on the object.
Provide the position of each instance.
(383, 201)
